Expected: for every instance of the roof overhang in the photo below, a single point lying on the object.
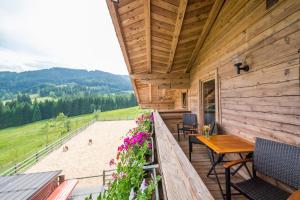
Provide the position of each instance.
(160, 41)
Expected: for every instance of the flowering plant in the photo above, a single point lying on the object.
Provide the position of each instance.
(206, 129)
(129, 180)
(144, 122)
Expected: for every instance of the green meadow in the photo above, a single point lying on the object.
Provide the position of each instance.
(17, 143)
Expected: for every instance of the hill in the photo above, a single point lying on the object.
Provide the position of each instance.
(61, 81)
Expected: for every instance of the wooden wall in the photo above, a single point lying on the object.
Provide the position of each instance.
(265, 101)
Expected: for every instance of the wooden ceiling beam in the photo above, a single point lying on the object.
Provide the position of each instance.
(164, 81)
(160, 76)
(113, 10)
(135, 91)
(206, 29)
(174, 86)
(150, 92)
(147, 13)
(178, 25)
(158, 105)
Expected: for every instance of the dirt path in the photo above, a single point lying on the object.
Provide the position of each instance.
(82, 160)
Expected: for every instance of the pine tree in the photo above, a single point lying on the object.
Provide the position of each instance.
(36, 113)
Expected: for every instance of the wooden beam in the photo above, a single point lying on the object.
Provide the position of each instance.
(150, 92)
(158, 105)
(135, 91)
(113, 10)
(160, 76)
(147, 13)
(174, 86)
(178, 26)
(164, 81)
(206, 29)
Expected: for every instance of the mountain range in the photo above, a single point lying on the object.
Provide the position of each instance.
(63, 80)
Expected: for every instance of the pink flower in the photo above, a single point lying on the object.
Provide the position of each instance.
(121, 148)
(112, 162)
(149, 146)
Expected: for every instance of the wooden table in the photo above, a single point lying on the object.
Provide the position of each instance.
(223, 144)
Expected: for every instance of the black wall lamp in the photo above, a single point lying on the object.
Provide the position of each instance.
(239, 61)
(239, 66)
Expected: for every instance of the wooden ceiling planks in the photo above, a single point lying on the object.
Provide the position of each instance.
(147, 13)
(178, 25)
(158, 37)
(194, 21)
(209, 22)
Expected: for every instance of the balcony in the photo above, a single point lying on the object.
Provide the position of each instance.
(182, 179)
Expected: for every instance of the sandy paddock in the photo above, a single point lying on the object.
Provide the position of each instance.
(83, 160)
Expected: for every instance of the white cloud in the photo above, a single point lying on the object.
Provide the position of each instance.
(36, 34)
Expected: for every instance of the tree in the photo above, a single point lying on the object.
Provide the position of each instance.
(36, 113)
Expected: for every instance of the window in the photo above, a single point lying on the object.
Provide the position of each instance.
(184, 99)
(209, 101)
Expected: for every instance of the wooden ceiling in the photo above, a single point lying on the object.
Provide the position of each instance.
(160, 40)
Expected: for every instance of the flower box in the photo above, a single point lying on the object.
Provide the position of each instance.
(150, 159)
(152, 174)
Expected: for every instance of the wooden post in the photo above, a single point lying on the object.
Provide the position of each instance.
(61, 179)
(36, 157)
(103, 177)
(16, 168)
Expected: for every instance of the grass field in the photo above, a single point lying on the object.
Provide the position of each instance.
(121, 114)
(17, 143)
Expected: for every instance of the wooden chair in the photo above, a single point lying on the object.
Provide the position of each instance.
(273, 159)
(194, 140)
(189, 124)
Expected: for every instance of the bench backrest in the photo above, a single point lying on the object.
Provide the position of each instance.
(278, 160)
(189, 119)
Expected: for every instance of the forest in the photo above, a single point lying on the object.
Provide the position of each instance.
(61, 82)
(24, 110)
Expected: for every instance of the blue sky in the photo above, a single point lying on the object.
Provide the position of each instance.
(37, 34)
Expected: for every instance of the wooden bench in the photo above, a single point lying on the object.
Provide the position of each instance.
(63, 191)
(273, 159)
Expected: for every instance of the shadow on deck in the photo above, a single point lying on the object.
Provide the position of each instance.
(201, 162)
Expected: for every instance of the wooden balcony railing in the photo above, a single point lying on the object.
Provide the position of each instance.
(179, 178)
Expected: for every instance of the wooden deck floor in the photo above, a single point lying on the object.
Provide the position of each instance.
(201, 163)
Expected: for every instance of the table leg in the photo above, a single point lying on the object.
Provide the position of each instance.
(213, 168)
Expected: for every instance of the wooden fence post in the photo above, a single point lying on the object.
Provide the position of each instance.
(16, 168)
(103, 178)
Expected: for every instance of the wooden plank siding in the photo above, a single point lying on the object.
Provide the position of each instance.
(264, 102)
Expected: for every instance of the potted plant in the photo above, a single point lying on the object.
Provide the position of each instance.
(206, 130)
